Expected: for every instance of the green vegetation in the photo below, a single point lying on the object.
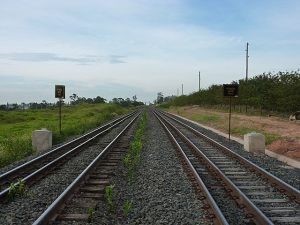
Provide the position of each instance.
(206, 118)
(127, 208)
(132, 158)
(266, 93)
(91, 213)
(112, 203)
(109, 198)
(16, 126)
(131, 161)
(217, 119)
(270, 137)
(15, 190)
(241, 130)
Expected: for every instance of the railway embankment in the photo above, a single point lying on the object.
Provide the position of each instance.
(159, 190)
(282, 135)
(151, 168)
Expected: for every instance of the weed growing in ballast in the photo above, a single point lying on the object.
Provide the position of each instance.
(132, 158)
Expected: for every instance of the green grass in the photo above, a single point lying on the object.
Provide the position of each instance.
(241, 130)
(132, 158)
(269, 137)
(206, 118)
(127, 207)
(109, 194)
(16, 126)
(15, 190)
(164, 106)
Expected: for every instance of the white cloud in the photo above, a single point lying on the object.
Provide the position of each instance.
(164, 43)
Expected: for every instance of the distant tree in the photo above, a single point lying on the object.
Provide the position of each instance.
(99, 99)
(271, 92)
(62, 103)
(89, 100)
(44, 104)
(74, 98)
(134, 98)
(126, 102)
(160, 98)
(114, 101)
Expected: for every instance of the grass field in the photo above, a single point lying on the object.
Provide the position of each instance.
(16, 126)
(218, 119)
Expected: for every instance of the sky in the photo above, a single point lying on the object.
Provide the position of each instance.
(121, 48)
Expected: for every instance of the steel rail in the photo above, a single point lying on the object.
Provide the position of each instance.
(237, 194)
(21, 167)
(214, 208)
(51, 211)
(32, 176)
(282, 186)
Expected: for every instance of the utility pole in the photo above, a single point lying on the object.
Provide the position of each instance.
(177, 92)
(247, 56)
(199, 81)
(181, 89)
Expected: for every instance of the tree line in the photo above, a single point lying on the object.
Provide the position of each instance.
(278, 92)
(127, 102)
(74, 100)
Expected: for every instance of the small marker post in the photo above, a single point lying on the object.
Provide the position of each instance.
(229, 118)
(60, 115)
(230, 90)
(60, 94)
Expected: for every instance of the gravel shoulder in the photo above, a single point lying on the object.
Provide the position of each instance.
(26, 209)
(284, 134)
(36, 154)
(287, 173)
(160, 191)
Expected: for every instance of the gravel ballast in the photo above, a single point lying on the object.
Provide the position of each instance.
(286, 173)
(36, 154)
(160, 191)
(24, 210)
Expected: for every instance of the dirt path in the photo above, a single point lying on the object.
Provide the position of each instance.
(282, 135)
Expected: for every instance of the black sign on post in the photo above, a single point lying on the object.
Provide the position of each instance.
(230, 90)
(60, 93)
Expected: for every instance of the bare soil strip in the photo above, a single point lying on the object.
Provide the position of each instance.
(282, 135)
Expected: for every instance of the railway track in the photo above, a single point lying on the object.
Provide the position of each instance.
(33, 170)
(85, 192)
(236, 190)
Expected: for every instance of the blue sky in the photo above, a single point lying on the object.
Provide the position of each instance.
(122, 48)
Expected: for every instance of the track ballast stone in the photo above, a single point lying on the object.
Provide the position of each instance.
(25, 210)
(160, 191)
(36, 154)
(287, 173)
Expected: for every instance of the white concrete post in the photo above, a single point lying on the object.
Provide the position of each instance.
(254, 142)
(41, 139)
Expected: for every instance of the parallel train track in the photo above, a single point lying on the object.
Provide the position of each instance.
(234, 190)
(260, 197)
(87, 189)
(31, 171)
